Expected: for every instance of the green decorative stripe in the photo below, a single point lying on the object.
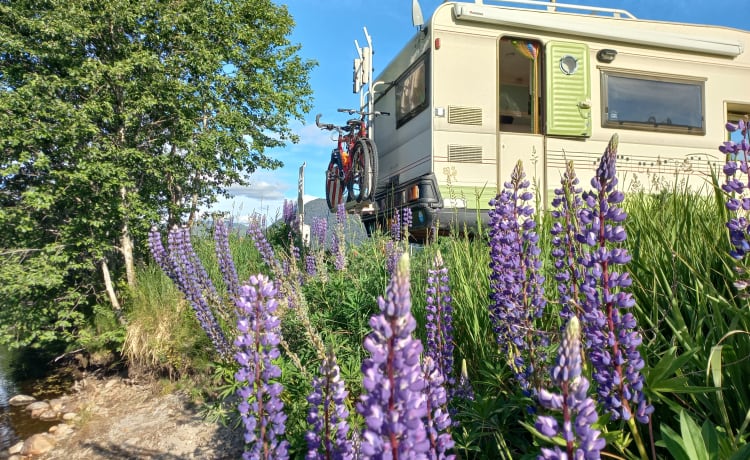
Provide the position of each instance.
(475, 197)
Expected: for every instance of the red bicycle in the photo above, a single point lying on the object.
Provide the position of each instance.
(353, 168)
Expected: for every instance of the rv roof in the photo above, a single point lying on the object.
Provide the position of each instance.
(582, 26)
(552, 5)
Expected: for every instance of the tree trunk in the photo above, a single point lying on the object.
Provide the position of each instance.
(111, 292)
(126, 246)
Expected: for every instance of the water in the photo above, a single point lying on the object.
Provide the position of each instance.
(16, 423)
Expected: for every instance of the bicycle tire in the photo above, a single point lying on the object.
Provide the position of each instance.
(360, 186)
(334, 187)
(373, 167)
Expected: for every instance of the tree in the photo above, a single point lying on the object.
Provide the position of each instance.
(115, 115)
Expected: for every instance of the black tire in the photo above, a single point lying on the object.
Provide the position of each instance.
(334, 187)
(373, 167)
(360, 188)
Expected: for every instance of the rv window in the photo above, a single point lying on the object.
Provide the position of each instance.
(652, 103)
(411, 92)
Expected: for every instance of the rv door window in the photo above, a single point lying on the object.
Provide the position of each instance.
(652, 103)
(411, 92)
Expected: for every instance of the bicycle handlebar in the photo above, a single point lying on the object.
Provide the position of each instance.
(326, 126)
(363, 113)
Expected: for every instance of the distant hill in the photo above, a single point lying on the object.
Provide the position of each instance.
(353, 229)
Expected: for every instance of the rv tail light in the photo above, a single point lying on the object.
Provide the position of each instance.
(606, 55)
(437, 43)
(414, 193)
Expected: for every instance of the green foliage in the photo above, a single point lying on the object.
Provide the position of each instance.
(116, 114)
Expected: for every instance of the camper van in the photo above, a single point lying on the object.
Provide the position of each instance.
(483, 85)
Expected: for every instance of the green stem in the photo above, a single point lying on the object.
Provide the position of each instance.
(637, 437)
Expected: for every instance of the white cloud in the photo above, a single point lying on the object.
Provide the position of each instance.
(260, 190)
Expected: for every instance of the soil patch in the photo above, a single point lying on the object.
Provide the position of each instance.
(122, 419)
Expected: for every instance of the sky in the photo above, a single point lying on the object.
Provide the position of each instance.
(326, 30)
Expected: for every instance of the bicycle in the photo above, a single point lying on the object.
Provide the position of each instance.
(354, 162)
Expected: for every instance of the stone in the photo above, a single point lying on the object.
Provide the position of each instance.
(56, 404)
(62, 430)
(38, 444)
(69, 416)
(16, 448)
(21, 400)
(48, 415)
(35, 406)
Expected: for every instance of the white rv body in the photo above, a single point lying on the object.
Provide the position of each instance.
(483, 86)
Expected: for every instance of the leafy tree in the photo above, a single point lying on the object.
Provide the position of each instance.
(115, 115)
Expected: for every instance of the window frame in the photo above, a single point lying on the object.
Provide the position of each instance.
(405, 117)
(646, 126)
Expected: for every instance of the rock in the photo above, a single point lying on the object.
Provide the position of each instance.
(16, 448)
(48, 415)
(36, 408)
(21, 400)
(38, 444)
(56, 404)
(62, 430)
(69, 416)
(15, 457)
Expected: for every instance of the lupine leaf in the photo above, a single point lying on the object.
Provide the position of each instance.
(674, 444)
(692, 438)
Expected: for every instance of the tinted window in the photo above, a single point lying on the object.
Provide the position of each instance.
(411, 92)
(654, 104)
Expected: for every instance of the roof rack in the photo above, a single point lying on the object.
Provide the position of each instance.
(554, 6)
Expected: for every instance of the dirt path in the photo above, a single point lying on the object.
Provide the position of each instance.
(120, 420)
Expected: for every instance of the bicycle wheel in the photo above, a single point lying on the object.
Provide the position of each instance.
(360, 187)
(334, 187)
(373, 167)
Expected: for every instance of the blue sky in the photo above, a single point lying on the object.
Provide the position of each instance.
(326, 30)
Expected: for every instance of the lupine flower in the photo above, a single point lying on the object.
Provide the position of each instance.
(393, 404)
(737, 160)
(289, 214)
(406, 221)
(319, 230)
(255, 230)
(438, 420)
(328, 415)
(515, 282)
(566, 250)
(439, 321)
(339, 243)
(310, 264)
(578, 410)
(262, 409)
(610, 327)
(226, 263)
(182, 265)
(464, 389)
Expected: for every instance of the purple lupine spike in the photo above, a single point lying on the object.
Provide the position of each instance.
(517, 297)
(328, 415)
(339, 241)
(192, 280)
(226, 263)
(393, 404)
(259, 334)
(566, 250)
(406, 220)
(319, 231)
(396, 227)
(737, 162)
(578, 410)
(310, 265)
(159, 253)
(609, 325)
(289, 214)
(439, 321)
(255, 230)
(463, 389)
(393, 252)
(438, 419)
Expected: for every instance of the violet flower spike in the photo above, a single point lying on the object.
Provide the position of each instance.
(438, 419)
(226, 263)
(582, 441)
(517, 297)
(261, 407)
(328, 415)
(338, 241)
(439, 321)
(610, 327)
(393, 403)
